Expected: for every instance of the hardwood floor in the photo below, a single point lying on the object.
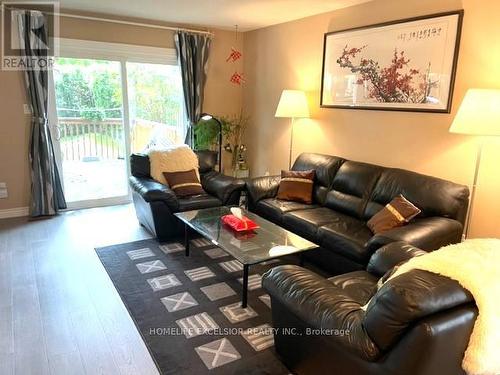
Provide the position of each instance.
(59, 312)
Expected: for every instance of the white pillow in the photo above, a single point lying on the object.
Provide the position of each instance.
(174, 159)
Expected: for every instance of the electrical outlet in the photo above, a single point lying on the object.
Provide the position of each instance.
(3, 190)
(27, 109)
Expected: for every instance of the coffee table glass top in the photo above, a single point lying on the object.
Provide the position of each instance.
(268, 242)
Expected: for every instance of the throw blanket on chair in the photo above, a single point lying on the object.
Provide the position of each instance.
(175, 159)
(475, 264)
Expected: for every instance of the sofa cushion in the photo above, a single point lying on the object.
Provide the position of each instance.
(207, 160)
(325, 166)
(139, 165)
(352, 187)
(197, 202)
(397, 213)
(185, 183)
(175, 159)
(360, 285)
(434, 196)
(296, 186)
(273, 209)
(345, 235)
(307, 222)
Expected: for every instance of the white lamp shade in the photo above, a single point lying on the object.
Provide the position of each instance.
(479, 113)
(293, 104)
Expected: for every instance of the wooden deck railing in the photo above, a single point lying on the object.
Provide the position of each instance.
(83, 139)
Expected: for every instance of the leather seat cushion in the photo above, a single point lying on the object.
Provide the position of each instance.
(197, 202)
(347, 236)
(273, 209)
(307, 222)
(360, 285)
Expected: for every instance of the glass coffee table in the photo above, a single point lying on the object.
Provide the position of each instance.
(268, 242)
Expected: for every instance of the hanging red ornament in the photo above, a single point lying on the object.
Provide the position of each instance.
(237, 78)
(234, 55)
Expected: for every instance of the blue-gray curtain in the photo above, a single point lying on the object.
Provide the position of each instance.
(47, 195)
(192, 52)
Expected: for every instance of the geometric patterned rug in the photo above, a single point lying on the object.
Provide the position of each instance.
(188, 309)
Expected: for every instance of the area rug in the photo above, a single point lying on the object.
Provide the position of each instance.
(188, 309)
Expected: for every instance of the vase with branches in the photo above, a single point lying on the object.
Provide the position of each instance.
(233, 130)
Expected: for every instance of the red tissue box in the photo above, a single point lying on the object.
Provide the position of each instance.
(239, 225)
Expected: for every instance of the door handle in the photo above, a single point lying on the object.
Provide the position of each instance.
(57, 130)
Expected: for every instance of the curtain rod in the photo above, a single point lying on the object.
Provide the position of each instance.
(110, 20)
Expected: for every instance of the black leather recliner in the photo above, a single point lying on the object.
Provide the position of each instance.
(346, 195)
(418, 323)
(155, 203)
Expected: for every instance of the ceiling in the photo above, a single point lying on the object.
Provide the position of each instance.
(247, 14)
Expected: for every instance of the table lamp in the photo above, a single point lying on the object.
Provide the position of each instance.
(292, 104)
(479, 114)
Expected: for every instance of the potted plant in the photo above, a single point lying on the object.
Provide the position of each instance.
(205, 135)
(233, 130)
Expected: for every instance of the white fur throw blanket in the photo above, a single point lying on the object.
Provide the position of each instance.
(475, 264)
(174, 159)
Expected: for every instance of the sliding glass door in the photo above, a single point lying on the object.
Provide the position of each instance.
(109, 101)
(155, 105)
(90, 129)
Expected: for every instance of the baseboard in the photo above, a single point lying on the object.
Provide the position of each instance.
(14, 212)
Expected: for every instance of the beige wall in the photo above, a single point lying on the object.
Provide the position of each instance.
(290, 56)
(221, 96)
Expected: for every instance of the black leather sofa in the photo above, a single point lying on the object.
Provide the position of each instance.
(418, 323)
(156, 203)
(346, 195)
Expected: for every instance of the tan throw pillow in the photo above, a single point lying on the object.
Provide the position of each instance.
(174, 159)
(185, 183)
(296, 186)
(395, 214)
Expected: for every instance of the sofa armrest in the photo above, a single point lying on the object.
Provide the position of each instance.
(389, 256)
(152, 191)
(408, 298)
(428, 233)
(221, 186)
(262, 187)
(320, 305)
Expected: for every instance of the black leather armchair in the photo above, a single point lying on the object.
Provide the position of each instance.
(418, 323)
(156, 203)
(346, 195)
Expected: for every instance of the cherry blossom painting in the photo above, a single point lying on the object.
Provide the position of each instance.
(406, 65)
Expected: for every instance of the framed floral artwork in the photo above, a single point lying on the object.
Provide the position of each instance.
(406, 65)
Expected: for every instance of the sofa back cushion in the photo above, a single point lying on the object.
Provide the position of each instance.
(432, 195)
(352, 187)
(139, 165)
(325, 166)
(207, 160)
(407, 298)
